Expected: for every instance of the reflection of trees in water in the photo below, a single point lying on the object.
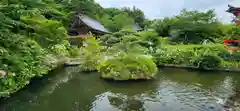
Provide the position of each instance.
(233, 101)
(129, 96)
(133, 88)
(193, 87)
(126, 104)
(206, 79)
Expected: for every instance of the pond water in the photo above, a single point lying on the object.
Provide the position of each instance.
(67, 89)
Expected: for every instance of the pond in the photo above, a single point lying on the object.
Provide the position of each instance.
(67, 89)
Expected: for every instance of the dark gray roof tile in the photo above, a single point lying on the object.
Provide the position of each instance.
(93, 23)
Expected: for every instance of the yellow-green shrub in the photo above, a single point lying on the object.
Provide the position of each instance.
(128, 67)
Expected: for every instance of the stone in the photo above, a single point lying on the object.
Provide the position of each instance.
(2, 73)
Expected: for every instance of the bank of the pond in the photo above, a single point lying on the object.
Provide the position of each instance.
(51, 66)
(34, 80)
(213, 57)
(192, 67)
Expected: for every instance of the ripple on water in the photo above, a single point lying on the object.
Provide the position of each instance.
(174, 90)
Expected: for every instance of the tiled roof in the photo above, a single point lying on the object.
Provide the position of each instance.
(93, 23)
(233, 9)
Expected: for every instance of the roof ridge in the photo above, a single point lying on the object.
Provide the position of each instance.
(83, 15)
(93, 23)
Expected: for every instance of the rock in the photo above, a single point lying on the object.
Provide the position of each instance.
(2, 73)
(236, 109)
(211, 107)
(197, 84)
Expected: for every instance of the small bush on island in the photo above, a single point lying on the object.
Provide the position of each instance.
(128, 67)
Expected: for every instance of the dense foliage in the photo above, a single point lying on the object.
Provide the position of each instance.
(90, 54)
(194, 27)
(31, 41)
(115, 19)
(199, 56)
(34, 40)
(34, 36)
(128, 67)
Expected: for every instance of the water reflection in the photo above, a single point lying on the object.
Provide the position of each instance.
(172, 90)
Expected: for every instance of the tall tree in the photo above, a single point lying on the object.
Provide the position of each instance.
(136, 14)
(88, 7)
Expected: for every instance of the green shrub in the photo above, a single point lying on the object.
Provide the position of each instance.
(90, 54)
(74, 51)
(149, 39)
(234, 57)
(190, 27)
(128, 67)
(130, 48)
(124, 32)
(108, 40)
(22, 59)
(176, 57)
(90, 62)
(112, 41)
(202, 56)
(208, 62)
(46, 32)
(130, 38)
(230, 65)
(60, 49)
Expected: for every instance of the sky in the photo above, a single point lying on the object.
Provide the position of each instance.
(154, 9)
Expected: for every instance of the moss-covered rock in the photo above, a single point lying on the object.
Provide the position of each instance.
(128, 67)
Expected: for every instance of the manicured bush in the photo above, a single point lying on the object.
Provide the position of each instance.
(128, 67)
(207, 62)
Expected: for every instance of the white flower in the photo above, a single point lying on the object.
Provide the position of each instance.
(13, 74)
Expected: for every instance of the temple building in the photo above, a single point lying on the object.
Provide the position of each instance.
(82, 25)
(236, 12)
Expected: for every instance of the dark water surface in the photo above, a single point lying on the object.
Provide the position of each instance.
(173, 90)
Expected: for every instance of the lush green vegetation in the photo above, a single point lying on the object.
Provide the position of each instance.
(34, 41)
(30, 42)
(128, 67)
(212, 56)
(34, 36)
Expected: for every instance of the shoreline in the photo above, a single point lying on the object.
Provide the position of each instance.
(63, 65)
(195, 68)
(9, 94)
(54, 66)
